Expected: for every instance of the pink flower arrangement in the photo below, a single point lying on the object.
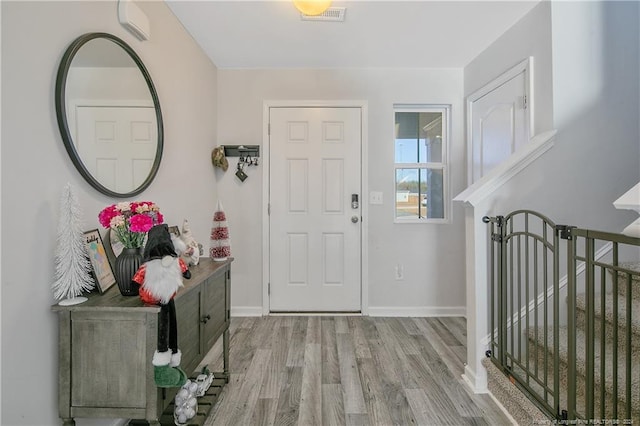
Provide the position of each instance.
(130, 221)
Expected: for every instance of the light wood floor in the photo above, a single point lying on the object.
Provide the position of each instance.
(338, 370)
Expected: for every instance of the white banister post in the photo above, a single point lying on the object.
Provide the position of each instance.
(477, 298)
(479, 200)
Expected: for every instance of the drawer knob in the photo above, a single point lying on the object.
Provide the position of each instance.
(206, 318)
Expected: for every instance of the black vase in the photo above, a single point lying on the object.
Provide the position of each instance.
(127, 263)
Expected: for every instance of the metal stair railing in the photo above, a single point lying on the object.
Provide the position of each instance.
(582, 248)
(531, 319)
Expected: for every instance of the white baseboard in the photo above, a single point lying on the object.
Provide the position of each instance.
(504, 410)
(476, 382)
(377, 311)
(417, 311)
(246, 311)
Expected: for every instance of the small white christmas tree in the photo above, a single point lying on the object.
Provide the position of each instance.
(73, 269)
(220, 248)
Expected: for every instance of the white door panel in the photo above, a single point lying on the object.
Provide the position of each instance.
(499, 125)
(117, 144)
(314, 245)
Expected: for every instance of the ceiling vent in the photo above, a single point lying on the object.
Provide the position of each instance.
(333, 14)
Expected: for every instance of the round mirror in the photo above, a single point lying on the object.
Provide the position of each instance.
(109, 115)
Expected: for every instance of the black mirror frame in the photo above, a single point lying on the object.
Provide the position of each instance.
(61, 113)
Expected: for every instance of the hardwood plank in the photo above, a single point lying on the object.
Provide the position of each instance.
(460, 352)
(272, 381)
(430, 409)
(383, 371)
(289, 399)
(391, 378)
(264, 413)
(357, 420)
(374, 393)
(410, 326)
(349, 376)
(295, 355)
(403, 339)
(445, 353)
(250, 389)
(342, 325)
(332, 405)
(359, 339)
(369, 329)
(311, 394)
(458, 327)
(240, 353)
(445, 334)
(260, 339)
(313, 331)
(227, 401)
(447, 387)
(393, 353)
(330, 365)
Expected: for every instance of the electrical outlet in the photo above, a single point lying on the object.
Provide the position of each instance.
(399, 272)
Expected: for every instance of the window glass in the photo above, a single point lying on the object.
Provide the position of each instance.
(418, 137)
(420, 167)
(419, 193)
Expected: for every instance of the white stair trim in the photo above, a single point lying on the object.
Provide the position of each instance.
(630, 200)
(520, 159)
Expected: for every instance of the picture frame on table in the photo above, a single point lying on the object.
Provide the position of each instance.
(174, 230)
(112, 246)
(100, 263)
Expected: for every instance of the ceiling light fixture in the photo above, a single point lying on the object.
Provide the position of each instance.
(312, 7)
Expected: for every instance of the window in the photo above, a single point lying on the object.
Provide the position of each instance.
(421, 139)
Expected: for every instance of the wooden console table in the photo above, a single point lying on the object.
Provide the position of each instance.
(106, 345)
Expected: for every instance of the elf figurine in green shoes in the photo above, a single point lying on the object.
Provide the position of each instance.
(160, 277)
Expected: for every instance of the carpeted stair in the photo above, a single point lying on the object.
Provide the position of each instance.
(541, 355)
(523, 411)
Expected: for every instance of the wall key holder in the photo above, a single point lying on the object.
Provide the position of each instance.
(242, 150)
(248, 156)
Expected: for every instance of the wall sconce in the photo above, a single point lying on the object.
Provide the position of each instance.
(312, 7)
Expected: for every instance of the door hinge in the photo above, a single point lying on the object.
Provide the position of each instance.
(496, 237)
(524, 102)
(268, 289)
(268, 209)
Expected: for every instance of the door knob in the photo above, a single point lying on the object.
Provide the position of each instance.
(354, 219)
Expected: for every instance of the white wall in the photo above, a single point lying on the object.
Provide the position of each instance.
(596, 156)
(596, 105)
(531, 36)
(431, 254)
(35, 167)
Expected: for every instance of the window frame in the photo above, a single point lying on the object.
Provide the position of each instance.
(445, 110)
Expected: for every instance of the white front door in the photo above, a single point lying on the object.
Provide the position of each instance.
(117, 144)
(314, 246)
(499, 123)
